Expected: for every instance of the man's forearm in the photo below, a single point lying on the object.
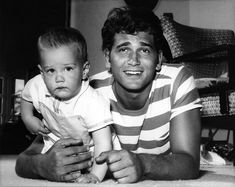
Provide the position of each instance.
(169, 167)
(28, 161)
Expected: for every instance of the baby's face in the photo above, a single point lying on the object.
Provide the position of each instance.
(61, 71)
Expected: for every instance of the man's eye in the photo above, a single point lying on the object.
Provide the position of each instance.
(123, 50)
(146, 50)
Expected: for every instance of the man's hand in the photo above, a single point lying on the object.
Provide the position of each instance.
(64, 160)
(125, 166)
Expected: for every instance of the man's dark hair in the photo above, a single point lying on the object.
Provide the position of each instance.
(131, 21)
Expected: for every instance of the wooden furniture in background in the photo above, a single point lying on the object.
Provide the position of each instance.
(210, 55)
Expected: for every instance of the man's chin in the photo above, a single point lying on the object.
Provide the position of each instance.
(134, 88)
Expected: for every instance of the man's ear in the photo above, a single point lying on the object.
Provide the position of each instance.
(160, 60)
(86, 68)
(107, 59)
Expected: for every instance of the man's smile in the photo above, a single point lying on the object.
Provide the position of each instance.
(133, 72)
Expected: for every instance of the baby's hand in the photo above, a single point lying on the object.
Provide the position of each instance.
(42, 130)
(38, 128)
(88, 178)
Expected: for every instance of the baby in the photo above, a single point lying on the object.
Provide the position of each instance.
(61, 93)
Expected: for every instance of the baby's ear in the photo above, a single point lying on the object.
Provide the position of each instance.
(40, 68)
(86, 68)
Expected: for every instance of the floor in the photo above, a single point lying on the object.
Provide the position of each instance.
(211, 176)
(227, 169)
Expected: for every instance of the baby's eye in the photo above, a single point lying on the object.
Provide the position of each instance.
(50, 71)
(68, 68)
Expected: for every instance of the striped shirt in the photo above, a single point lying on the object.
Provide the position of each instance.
(147, 130)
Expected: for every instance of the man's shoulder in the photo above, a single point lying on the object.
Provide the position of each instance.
(101, 79)
(101, 75)
(171, 70)
(172, 67)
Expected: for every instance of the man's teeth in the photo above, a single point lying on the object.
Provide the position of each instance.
(133, 72)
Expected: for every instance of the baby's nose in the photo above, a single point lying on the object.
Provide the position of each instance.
(59, 77)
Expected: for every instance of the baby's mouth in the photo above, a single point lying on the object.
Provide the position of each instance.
(60, 88)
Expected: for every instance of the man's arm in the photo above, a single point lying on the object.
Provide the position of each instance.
(183, 163)
(24, 163)
(62, 162)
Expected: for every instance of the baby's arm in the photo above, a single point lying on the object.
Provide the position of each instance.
(102, 142)
(33, 124)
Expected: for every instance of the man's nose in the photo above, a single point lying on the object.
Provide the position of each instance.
(134, 59)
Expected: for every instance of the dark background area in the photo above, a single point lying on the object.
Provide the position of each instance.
(21, 22)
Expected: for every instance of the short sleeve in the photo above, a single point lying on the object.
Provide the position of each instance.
(27, 91)
(32, 90)
(97, 113)
(184, 94)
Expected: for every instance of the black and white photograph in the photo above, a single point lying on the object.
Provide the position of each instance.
(117, 93)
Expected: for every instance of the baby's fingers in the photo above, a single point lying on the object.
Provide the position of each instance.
(46, 130)
(43, 130)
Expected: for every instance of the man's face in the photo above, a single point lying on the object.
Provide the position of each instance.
(61, 72)
(133, 60)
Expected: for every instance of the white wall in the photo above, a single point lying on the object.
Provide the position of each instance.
(89, 16)
(217, 14)
(212, 13)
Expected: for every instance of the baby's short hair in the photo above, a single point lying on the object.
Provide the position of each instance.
(60, 36)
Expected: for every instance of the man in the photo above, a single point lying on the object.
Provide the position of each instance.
(155, 108)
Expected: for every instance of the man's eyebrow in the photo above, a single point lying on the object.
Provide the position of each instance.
(123, 44)
(146, 44)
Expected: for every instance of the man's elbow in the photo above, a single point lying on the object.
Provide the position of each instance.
(18, 166)
(193, 168)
